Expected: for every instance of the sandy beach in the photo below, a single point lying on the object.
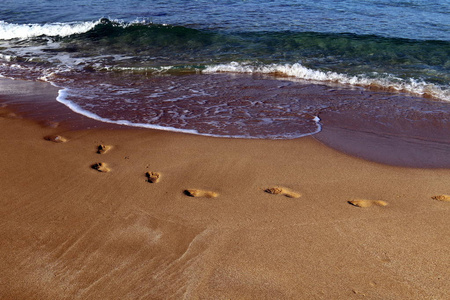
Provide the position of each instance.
(163, 215)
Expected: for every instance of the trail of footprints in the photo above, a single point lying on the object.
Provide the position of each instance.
(154, 177)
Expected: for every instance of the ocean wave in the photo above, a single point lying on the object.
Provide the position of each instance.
(382, 81)
(24, 31)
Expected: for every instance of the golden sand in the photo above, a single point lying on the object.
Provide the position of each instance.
(71, 233)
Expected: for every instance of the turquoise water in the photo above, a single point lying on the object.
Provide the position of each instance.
(120, 50)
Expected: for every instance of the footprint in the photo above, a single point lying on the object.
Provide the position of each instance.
(356, 292)
(200, 193)
(367, 203)
(55, 138)
(153, 177)
(101, 167)
(282, 191)
(102, 149)
(445, 198)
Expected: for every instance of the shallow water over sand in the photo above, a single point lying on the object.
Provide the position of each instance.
(389, 132)
(241, 105)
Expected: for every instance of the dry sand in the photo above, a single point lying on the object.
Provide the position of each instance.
(71, 232)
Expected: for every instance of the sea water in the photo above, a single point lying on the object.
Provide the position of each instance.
(253, 69)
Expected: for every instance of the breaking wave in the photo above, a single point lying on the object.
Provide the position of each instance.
(10, 31)
(380, 81)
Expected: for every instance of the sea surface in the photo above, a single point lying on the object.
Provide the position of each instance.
(251, 69)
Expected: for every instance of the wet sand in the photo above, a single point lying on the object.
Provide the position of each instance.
(180, 216)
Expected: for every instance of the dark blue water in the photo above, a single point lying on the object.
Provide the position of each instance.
(169, 64)
(414, 19)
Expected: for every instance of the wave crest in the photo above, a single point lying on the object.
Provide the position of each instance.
(384, 82)
(10, 31)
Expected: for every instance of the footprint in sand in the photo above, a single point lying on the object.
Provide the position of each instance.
(282, 191)
(55, 138)
(102, 149)
(367, 203)
(200, 193)
(101, 167)
(153, 177)
(445, 198)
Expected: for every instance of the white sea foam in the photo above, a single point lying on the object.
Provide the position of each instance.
(23, 31)
(6, 57)
(388, 82)
(63, 98)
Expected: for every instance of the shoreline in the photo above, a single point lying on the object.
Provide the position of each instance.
(422, 142)
(70, 231)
